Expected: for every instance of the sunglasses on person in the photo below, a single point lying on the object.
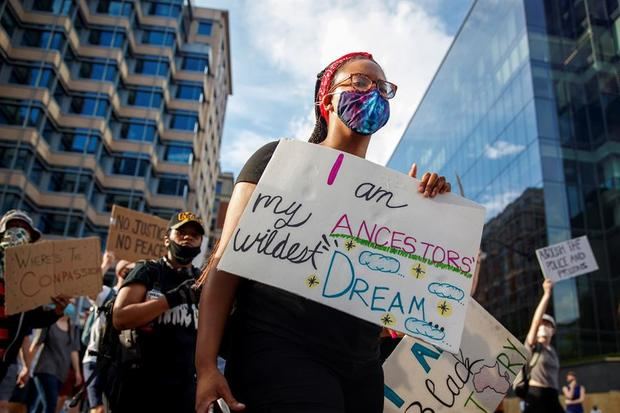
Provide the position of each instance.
(362, 83)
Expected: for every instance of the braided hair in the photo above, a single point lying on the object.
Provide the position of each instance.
(324, 81)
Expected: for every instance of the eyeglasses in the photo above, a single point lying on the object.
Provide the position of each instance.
(362, 83)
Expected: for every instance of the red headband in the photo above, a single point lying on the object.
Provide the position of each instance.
(328, 77)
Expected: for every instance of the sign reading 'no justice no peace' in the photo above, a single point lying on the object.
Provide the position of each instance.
(135, 235)
(358, 237)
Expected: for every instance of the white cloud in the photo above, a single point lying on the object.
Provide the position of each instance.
(502, 148)
(301, 37)
(236, 152)
(496, 203)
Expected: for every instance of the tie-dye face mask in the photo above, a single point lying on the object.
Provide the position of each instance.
(363, 112)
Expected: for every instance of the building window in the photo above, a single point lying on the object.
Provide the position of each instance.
(43, 39)
(177, 153)
(129, 165)
(205, 28)
(26, 75)
(124, 200)
(62, 7)
(152, 66)
(114, 8)
(183, 122)
(158, 37)
(138, 131)
(8, 22)
(89, 106)
(195, 64)
(171, 186)
(80, 143)
(106, 38)
(19, 115)
(98, 71)
(65, 181)
(143, 98)
(163, 9)
(189, 92)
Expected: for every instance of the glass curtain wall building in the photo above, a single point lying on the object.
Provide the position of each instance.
(525, 112)
(110, 102)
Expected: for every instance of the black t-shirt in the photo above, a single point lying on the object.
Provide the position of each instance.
(168, 343)
(325, 331)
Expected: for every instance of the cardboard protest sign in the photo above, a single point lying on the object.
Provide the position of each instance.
(36, 272)
(135, 235)
(421, 378)
(348, 233)
(567, 259)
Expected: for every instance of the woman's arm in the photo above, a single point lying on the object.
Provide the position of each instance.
(582, 395)
(540, 311)
(215, 304)
(75, 362)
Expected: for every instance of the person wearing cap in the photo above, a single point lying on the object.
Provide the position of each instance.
(17, 228)
(158, 299)
(544, 383)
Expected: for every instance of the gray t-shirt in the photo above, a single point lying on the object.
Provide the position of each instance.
(55, 358)
(547, 368)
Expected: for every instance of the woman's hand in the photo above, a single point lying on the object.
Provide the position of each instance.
(547, 287)
(431, 184)
(211, 386)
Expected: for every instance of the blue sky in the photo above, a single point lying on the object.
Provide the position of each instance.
(278, 46)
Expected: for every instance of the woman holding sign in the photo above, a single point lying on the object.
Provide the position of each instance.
(545, 365)
(287, 353)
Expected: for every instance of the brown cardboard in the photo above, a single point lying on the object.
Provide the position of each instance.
(135, 235)
(36, 272)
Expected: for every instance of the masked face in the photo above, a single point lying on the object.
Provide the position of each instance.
(544, 331)
(70, 310)
(15, 236)
(363, 112)
(181, 253)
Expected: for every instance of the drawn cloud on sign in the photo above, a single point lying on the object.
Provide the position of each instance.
(379, 262)
(448, 291)
(489, 377)
(424, 328)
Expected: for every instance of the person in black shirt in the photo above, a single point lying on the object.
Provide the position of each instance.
(287, 353)
(158, 299)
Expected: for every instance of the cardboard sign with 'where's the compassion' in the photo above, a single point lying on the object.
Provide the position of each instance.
(356, 236)
(36, 272)
(135, 235)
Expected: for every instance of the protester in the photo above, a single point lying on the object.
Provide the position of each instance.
(158, 298)
(17, 228)
(89, 362)
(287, 353)
(543, 389)
(574, 393)
(59, 346)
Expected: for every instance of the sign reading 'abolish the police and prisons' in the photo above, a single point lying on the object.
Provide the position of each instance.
(567, 259)
(348, 233)
(135, 235)
(36, 272)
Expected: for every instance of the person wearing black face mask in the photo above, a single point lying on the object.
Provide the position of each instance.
(160, 301)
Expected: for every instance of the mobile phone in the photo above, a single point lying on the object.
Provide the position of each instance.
(219, 406)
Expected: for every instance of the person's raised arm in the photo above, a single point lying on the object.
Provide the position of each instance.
(540, 311)
(216, 302)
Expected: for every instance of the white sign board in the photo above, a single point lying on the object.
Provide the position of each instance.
(567, 259)
(421, 378)
(356, 236)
